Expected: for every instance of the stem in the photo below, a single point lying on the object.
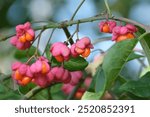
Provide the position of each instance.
(77, 9)
(77, 30)
(48, 40)
(142, 63)
(100, 50)
(107, 7)
(130, 21)
(39, 37)
(33, 92)
(101, 40)
(59, 25)
(68, 35)
(30, 59)
(70, 23)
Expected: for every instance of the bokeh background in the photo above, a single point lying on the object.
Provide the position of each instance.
(14, 12)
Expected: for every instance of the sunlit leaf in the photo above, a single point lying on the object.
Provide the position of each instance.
(116, 58)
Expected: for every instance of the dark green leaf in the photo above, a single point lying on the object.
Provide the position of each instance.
(27, 88)
(10, 95)
(41, 95)
(23, 55)
(48, 54)
(91, 96)
(7, 93)
(97, 86)
(140, 88)
(93, 83)
(57, 93)
(100, 81)
(116, 58)
(75, 64)
(145, 43)
(120, 80)
(134, 56)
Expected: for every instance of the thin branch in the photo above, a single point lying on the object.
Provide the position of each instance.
(68, 35)
(101, 40)
(100, 50)
(36, 90)
(130, 21)
(48, 40)
(108, 9)
(142, 63)
(33, 92)
(81, 3)
(85, 20)
(30, 59)
(39, 37)
(61, 24)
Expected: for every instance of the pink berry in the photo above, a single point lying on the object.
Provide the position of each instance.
(60, 51)
(123, 32)
(81, 47)
(75, 77)
(107, 26)
(60, 74)
(24, 36)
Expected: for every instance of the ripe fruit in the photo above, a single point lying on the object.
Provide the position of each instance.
(82, 47)
(60, 51)
(24, 36)
(124, 32)
(124, 37)
(107, 26)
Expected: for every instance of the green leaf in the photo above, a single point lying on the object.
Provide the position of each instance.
(134, 56)
(111, 67)
(7, 93)
(120, 80)
(75, 64)
(91, 96)
(116, 58)
(48, 54)
(140, 88)
(57, 93)
(42, 95)
(145, 42)
(27, 88)
(22, 55)
(93, 83)
(100, 81)
(97, 86)
(10, 95)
